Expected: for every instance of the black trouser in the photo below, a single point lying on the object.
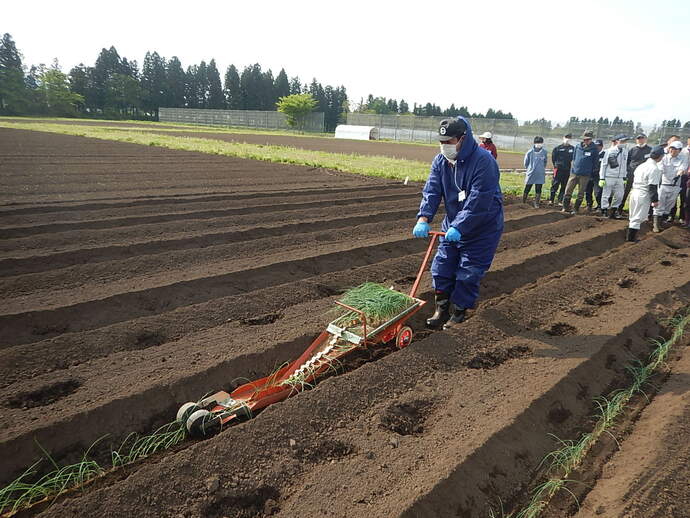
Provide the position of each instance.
(626, 190)
(558, 184)
(593, 189)
(537, 189)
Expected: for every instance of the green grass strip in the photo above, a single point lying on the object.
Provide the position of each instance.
(29, 488)
(563, 461)
(378, 166)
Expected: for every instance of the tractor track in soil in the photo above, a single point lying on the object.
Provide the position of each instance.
(113, 336)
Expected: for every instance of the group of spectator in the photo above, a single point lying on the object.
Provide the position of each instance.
(607, 176)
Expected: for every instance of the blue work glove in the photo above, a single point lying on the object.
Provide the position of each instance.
(421, 229)
(452, 235)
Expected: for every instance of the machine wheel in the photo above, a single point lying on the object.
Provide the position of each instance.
(186, 410)
(202, 424)
(404, 337)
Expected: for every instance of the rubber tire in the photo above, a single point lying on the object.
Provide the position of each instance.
(202, 424)
(404, 337)
(186, 410)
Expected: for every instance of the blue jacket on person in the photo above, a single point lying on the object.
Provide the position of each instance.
(473, 201)
(586, 160)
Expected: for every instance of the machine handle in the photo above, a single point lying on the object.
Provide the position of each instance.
(422, 268)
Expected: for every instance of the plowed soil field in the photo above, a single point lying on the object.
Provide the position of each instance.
(137, 278)
(418, 152)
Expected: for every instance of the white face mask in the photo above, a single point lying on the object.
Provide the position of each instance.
(538, 146)
(566, 141)
(449, 151)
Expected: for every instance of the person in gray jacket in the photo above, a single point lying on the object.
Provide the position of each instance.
(535, 170)
(612, 174)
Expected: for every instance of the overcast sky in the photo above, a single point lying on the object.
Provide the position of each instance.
(535, 59)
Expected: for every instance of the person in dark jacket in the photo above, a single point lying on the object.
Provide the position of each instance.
(584, 161)
(562, 159)
(637, 155)
(466, 178)
(593, 191)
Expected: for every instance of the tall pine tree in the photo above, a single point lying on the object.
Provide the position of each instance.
(233, 93)
(13, 95)
(216, 99)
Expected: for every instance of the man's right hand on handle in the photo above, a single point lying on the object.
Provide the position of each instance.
(421, 229)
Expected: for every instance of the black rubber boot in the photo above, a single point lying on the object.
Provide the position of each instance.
(456, 318)
(566, 205)
(589, 209)
(442, 313)
(537, 200)
(605, 213)
(631, 235)
(617, 213)
(612, 213)
(656, 225)
(524, 197)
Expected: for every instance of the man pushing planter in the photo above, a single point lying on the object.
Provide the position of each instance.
(466, 178)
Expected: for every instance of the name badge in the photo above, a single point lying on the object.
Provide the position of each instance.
(462, 196)
(570, 151)
(647, 155)
(588, 153)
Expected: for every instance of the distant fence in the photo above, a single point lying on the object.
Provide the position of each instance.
(508, 134)
(314, 122)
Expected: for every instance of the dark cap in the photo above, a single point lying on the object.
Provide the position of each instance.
(621, 136)
(538, 140)
(599, 142)
(657, 152)
(588, 134)
(449, 128)
(568, 135)
(641, 135)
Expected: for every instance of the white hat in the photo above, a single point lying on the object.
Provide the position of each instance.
(486, 134)
(676, 144)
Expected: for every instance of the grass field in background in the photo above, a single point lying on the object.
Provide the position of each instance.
(199, 128)
(380, 166)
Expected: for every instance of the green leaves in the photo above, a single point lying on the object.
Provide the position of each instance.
(378, 303)
(296, 107)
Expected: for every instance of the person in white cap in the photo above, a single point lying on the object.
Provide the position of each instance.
(673, 166)
(644, 191)
(487, 143)
(612, 173)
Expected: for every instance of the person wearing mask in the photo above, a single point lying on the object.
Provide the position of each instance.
(584, 165)
(683, 183)
(466, 178)
(535, 170)
(673, 167)
(487, 143)
(593, 191)
(644, 192)
(612, 174)
(685, 188)
(637, 155)
(562, 159)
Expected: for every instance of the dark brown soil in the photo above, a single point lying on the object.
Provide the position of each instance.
(135, 279)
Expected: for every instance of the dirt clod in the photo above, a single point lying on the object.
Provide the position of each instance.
(495, 357)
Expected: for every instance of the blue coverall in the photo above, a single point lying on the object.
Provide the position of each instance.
(458, 267)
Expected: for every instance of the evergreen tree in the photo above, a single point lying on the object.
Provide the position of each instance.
(13, 95)
(216, 99)
(202, 84)
(174, 84)
(191, 88)
(295, 86)
(79, 83)
(404, 107)
(281, 85)
(233, 93)
(153, 83)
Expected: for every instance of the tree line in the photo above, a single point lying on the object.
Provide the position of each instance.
(383, 106)
(115, 87)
